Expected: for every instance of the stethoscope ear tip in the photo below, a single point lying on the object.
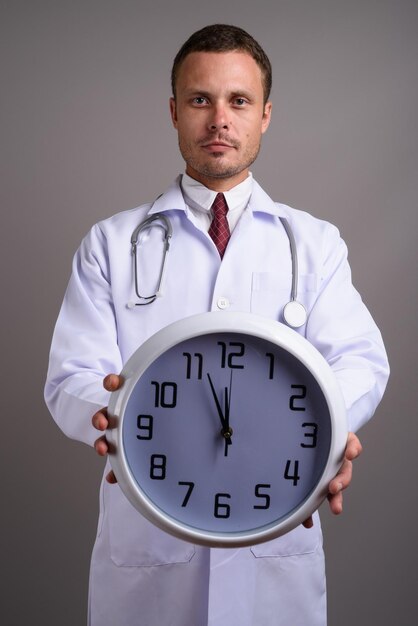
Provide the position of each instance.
(130, 305)
(294, 314)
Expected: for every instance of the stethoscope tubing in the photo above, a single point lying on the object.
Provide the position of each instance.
(168, 232)
(294, 256)
(294, 312)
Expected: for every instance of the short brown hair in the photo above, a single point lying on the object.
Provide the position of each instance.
(224, 38)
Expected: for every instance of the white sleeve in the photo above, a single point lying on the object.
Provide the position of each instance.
(84, 345)
(342, 329)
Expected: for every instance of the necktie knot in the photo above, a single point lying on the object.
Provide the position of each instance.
(219, 228)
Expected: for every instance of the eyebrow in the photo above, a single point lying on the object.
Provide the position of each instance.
(197, 92)
(235, 93)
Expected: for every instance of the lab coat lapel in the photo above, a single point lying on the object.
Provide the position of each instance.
(260, 202)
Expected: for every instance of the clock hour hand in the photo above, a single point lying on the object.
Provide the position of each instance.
(217, 403)
(223, 416)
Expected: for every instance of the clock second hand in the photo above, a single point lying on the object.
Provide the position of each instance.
(226, 430)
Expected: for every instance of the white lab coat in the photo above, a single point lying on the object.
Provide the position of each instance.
(140, 575)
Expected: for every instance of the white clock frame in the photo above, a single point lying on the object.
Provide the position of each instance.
(226, 322)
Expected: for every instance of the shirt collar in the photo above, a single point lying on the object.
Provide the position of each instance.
(201, 198)
(259, 201)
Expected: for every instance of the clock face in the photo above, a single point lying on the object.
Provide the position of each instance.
(225, 435)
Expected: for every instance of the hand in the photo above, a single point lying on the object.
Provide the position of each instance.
(112, 382)
(227, 431)
(223, 416)
(218, 406)
(342, 479)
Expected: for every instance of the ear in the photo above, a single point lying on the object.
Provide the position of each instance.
(265, 122)
(173, 112)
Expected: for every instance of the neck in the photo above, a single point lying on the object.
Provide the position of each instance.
(218, 184)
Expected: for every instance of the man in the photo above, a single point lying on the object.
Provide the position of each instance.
(220, 107)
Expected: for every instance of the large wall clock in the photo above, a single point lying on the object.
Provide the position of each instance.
(227, 429)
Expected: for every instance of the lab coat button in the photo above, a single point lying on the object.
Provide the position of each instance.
(223, 303)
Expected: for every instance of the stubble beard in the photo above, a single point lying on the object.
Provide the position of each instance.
(214, 166)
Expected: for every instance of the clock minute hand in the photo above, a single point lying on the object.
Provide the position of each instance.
(228, 405)
(227, 431)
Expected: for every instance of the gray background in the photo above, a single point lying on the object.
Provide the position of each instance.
(85, 132)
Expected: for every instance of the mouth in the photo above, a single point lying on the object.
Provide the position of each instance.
(217, 146)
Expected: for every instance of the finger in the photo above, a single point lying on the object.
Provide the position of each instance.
(99, 419)
(112, 382)
(336, 502)
(308, 523)
(353, 448)
(342, 479)
(101, 446)
(111, 478)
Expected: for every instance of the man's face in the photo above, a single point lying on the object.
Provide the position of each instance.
(219, 115)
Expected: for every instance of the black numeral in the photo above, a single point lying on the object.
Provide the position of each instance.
(310, 435)
(158, 466)
(190, 487)
(270, 357)
(298, 396)
(292, 476)
(222, 509)
(227, 356)
(189, 364)
(145, 426)
(165, 394)
(265, 496)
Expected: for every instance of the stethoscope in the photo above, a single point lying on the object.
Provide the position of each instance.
(294, 313)
(161, 221)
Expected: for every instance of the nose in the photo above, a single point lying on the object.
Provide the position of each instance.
(218, 119)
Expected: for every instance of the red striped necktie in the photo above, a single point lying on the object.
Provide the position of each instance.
(219, 228)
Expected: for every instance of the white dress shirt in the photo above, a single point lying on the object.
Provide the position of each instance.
(199, 200)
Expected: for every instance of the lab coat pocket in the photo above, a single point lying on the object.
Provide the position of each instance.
(270, 292)
(135, 542)
(299, 541)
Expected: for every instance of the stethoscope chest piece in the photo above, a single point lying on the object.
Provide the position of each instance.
(294, 314)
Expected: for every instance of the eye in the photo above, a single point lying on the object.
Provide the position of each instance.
(199, 100)
(240, 101)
